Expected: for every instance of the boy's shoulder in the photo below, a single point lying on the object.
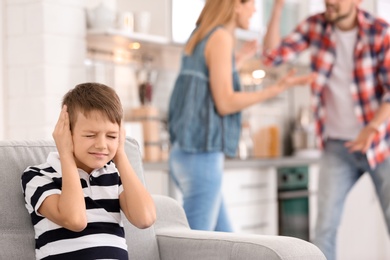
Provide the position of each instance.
(43, 168)
(38, 174)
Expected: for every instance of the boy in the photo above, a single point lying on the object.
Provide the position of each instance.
(75, 198)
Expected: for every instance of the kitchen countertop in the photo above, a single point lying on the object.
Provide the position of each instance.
(287, 161)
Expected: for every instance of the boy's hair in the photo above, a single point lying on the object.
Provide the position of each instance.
(88, 97)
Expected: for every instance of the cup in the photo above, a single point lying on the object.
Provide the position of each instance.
(126, 21)
(142, 22)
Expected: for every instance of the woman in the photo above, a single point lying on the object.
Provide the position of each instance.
(204, 111)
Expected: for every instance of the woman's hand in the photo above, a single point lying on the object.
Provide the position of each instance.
(62, 134)
(291, 80)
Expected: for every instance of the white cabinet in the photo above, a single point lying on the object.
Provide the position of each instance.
(251, 199)
(250, 196)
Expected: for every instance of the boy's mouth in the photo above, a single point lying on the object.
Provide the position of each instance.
(99, 155)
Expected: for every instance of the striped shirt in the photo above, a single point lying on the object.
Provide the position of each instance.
(371, 72)
(103, 238)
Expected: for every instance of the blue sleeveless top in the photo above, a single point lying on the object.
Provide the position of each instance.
(194, 122)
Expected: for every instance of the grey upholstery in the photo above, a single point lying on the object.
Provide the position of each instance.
(169, 239)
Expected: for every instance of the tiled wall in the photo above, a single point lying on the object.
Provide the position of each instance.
(2, 99)
(44, 57)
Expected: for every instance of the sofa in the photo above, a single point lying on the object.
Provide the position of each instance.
(170, 238)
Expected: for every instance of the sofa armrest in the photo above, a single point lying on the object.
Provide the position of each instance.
(177, 241)
(169, 214)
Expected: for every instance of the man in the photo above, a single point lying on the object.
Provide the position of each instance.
(350, 51)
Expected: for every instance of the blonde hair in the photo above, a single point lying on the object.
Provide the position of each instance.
(214, 13)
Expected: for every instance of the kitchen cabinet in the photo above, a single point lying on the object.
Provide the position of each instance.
(250, 196)
(249, 189)
(251, 199)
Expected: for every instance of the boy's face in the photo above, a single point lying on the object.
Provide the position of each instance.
(95, 140)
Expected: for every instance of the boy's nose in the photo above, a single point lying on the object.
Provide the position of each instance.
(100, 143)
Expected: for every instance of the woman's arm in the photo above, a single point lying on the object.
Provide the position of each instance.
(218, 55)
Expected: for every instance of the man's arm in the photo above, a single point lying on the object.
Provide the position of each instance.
(272, 36)
(367, 134)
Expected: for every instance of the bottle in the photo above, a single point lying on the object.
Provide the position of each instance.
(245, 144)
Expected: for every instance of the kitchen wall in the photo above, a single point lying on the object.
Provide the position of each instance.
(44, 53)
(2, 79)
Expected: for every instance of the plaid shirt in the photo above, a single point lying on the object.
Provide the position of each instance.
(371, 73)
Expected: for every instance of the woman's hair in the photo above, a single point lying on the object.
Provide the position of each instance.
(88, 97)
(214, 13)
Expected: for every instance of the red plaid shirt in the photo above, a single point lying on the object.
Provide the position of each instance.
(371, 72)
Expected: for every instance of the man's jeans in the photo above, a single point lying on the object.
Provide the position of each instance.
(339, 171)
(199, 178)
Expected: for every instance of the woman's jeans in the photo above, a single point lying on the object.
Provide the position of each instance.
(199, 178)
(339, 171)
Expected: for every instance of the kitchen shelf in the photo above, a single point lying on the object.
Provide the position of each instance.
(133, 36)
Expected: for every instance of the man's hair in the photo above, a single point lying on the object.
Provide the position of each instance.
(88, 97)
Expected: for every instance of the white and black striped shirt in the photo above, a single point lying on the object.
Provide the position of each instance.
(103, 238)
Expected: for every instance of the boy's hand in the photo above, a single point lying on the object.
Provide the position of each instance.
(62, 134)
(121, 140)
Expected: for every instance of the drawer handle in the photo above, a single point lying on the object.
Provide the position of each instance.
(254, 186)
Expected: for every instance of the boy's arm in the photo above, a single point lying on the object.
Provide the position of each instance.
(135, 201)
(68, 208)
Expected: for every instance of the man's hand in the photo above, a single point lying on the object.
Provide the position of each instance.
(62, 134)
(279, 3)
(363, 141)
